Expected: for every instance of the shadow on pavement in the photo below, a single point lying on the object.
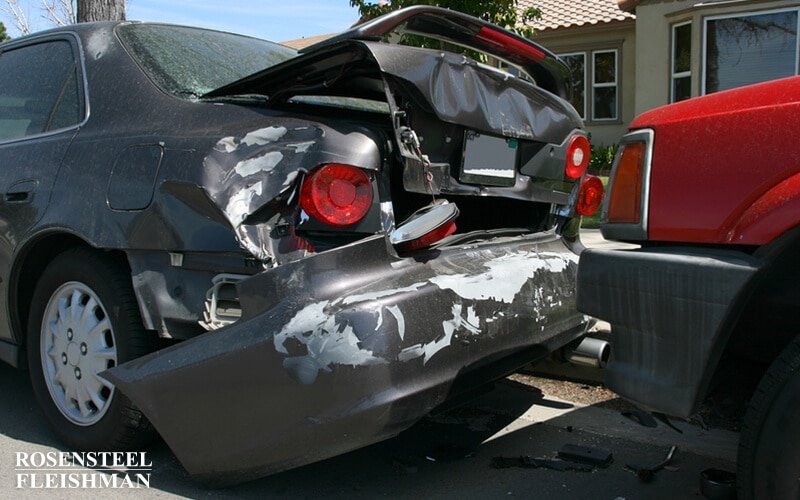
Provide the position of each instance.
(444, 456)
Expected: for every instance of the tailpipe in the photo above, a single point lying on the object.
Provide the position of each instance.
(588, 352)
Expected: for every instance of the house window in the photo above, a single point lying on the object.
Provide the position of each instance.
(577, 67)
(594, 87)
(681, 62)
(604, 85)
(747, 49)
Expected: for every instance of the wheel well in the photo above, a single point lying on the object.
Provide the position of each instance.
(30, 264)
(768, 320)
(760, 333)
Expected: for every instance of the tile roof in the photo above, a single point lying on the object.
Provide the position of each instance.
(556, 14)
(302, 43)
(573, 13)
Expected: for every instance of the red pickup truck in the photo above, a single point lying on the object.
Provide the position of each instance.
(710, 189)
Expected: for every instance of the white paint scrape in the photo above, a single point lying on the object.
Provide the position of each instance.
(263, 163)
(505, 276)
(264, 136)
(239, 205)
(326, 342)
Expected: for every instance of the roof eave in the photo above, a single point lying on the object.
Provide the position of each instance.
(616, 23)
(627, 5)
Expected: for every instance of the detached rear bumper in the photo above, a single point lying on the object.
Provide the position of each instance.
(669, 311)
(349, 347)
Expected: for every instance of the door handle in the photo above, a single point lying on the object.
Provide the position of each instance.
(20, 192)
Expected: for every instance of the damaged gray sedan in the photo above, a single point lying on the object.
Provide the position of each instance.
(271, 258)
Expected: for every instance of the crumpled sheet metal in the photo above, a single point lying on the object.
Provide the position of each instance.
(344, 349)
(339, 331)
(245, 173)
(480, 97)
(458, 89)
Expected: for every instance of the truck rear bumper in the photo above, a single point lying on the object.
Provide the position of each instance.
(669, 309)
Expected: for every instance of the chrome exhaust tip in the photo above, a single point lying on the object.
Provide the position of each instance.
(589, 352)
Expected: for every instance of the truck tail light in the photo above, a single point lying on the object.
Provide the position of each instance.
(590, 196)
(625, 198)
(578, 153)
(336, 194)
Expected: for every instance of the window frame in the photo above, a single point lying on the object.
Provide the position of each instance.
(605, 85)
(79, 63)
(589, 84)
(674, 76)
(582, 112)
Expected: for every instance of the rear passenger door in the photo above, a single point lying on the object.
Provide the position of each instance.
(42, 104)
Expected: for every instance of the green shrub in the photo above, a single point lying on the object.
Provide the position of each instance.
(602, 159)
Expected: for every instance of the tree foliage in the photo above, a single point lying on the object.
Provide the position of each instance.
(3, 35)
(504, 13)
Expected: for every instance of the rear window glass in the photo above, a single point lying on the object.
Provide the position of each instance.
(190, 62)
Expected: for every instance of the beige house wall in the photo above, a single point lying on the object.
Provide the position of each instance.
(620, 36)
(654, 22)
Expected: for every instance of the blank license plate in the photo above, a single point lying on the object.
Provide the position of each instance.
(489, 160)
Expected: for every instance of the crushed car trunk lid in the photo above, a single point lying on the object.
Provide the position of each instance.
(456, 88)
(438, 96)
(544, 67)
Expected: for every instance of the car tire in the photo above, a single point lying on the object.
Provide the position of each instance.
(84, 319)
(769, 446)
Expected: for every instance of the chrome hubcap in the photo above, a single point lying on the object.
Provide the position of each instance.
(77, 344)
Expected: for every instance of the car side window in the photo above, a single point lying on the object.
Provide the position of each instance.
(39, 89)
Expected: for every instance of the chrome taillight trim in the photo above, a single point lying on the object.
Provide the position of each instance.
(638, 231)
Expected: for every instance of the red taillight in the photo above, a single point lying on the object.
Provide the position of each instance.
(426, 226)
(510, 44)
(429, 239)
(625, 198)
(578, 153)
(339, 195)
(590, 196)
